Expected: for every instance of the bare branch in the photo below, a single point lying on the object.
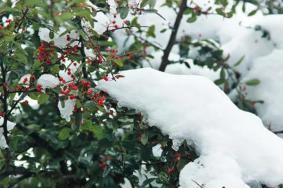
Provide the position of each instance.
(165, 57)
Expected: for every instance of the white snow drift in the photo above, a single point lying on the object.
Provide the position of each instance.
(234, 146)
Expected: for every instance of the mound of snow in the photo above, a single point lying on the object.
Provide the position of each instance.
(234, 146)
(48, 81)
(182, 69)
(269, 70)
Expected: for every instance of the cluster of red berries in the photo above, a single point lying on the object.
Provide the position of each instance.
(44, 52)
(70, 87)
(114, 25)
(26, 84)
(69, 51)
(85, 85)
(112, 54)
(171, 170)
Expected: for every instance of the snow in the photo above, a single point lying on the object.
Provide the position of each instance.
(240, 37)
(271, 23)
(102, 23)
(182, 69)
(66, 108)
(194, 108)
(157, 150)
(113, 6)
(213, 170)
(10, 126)
(241, 46)
(269, 70)
(48, 81)
(59, 39)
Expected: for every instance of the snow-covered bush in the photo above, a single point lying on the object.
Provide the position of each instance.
(72, 114)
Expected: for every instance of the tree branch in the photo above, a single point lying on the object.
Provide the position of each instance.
(165, 60)
(85, 76)
(4, 100)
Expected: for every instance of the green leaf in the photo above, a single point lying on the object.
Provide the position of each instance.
(2, 160)
(98, 131)
(36, 65)
(253, 12)
(222, 74)
(222, 2)
(64, 133)
(55, 69)
(43, 98)
(144, 3)
(51, 34)
(163, 30)
(152, 3)
(219, 81)
(124, 12)
(239, 61)
(144, 139)
(151, 31)
(119, 62)
(188, 11)
(192, 19)
(252, 82)
(220, 11)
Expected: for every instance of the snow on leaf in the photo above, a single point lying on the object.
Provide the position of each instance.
(66, 109)
(48, 81)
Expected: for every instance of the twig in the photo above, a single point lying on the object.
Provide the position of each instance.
(198, 184)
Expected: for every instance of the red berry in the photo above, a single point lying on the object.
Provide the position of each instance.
(65, 92)
(102, 165)
(89, 92)
(177, 157)
(75, 109)
(72, 97)
(48, 62)
(105, 78)
(126, 22)
(100, 59)
(8, 21)
(73, 86)
(38, 88)
(170, 171)
(68, 38)
(101, 101)
(25, 80)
